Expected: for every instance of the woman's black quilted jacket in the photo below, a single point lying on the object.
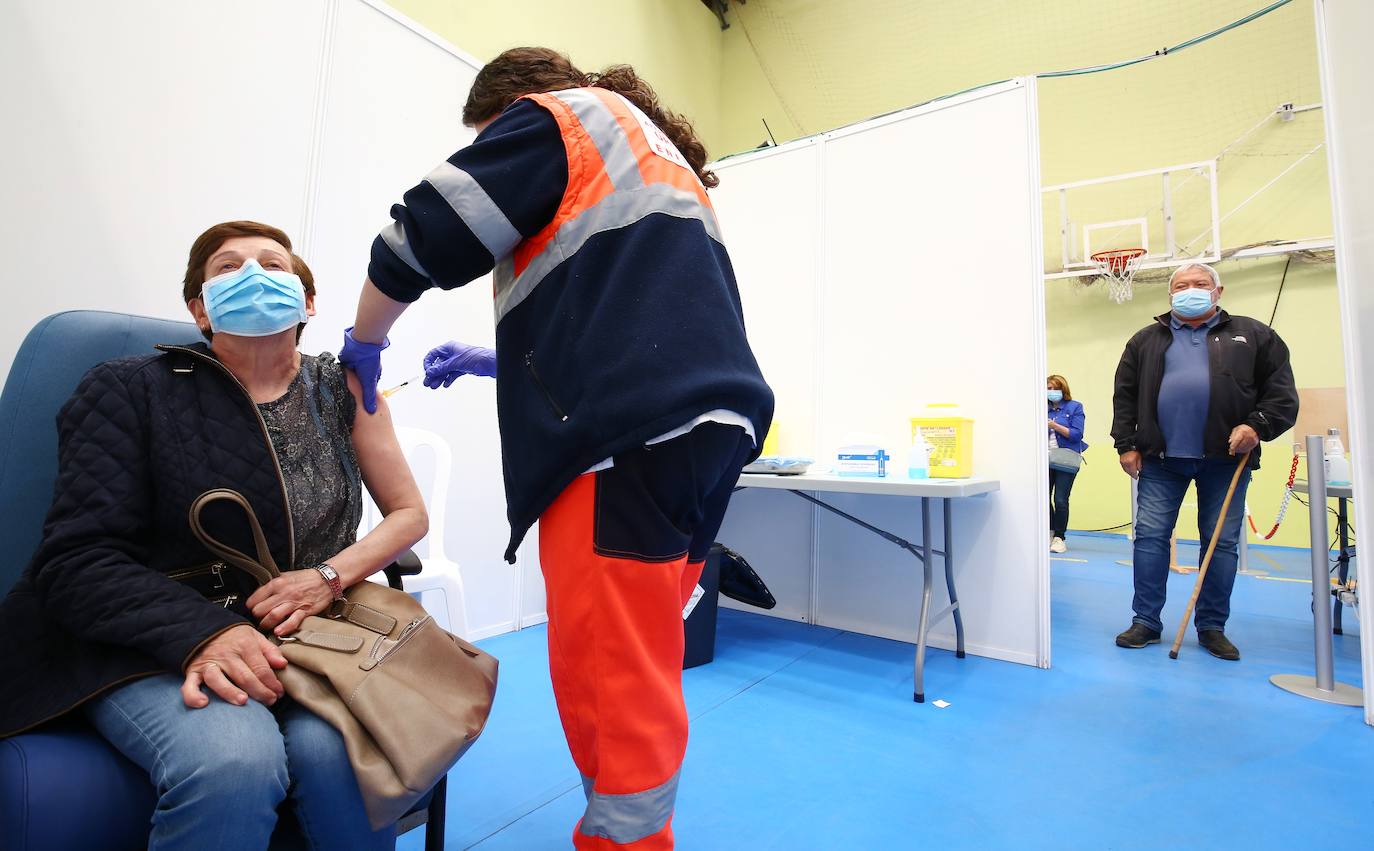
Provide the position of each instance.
(139, 439)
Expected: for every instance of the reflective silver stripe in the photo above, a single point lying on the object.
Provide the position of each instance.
(475, 207)
(395, 238)
(622, 167)
(616, 210)
(502, 278)
(629, 818)
(587, 784)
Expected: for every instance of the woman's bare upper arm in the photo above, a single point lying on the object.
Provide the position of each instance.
(383, 464)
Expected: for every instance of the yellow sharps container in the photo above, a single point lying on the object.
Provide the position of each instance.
(951, 440)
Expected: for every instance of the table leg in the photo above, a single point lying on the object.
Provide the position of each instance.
(948, 559)
(923, 625)
(1342, 560)
(922, 553)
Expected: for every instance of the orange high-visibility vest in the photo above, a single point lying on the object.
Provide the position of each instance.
(621, 168)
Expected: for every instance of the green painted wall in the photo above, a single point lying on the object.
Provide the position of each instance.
(675, 44)
(807, 66)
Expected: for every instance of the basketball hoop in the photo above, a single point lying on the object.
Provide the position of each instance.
(1118, 267)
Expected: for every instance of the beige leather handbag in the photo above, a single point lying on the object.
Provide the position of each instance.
(408, 697)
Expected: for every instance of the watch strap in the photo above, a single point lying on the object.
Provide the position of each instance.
(331, 578)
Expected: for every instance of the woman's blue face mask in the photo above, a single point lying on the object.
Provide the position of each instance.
(254, 302)
(1055, 396)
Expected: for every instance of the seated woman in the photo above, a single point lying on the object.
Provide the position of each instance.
(125, 614)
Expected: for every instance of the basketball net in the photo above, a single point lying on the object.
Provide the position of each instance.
(1118, 268)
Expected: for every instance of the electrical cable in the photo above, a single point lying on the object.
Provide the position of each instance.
(1105, 528)
(1158, 54)
(1094, 69)
(1333, 512)
(1070, 72)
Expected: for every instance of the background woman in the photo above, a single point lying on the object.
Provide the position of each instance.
(1065, 433)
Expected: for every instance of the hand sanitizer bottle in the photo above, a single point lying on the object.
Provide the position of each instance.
(918, 462)
(1334, 463)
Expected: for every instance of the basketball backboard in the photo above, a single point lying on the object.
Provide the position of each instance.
(1170, 212)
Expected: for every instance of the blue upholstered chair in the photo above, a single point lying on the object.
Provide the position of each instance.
(62, 786)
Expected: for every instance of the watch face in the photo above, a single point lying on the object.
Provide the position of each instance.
(329, 572)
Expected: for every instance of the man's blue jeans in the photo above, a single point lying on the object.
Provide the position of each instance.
(1159, 494)
(221, 771)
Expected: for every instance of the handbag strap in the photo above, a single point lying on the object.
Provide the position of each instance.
(263, 568)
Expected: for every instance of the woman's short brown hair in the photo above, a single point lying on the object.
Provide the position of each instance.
(303, 272)
(209, 242)
(1062, 384)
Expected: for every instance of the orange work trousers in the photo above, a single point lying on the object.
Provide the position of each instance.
(621, 551)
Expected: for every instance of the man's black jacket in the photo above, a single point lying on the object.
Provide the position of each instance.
(138, 441)
(1252, 383)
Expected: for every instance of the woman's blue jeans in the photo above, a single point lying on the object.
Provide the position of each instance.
(1159, 494)
(1061, 484)
(221, 771)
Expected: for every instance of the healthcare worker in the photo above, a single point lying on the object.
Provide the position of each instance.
(627, 393)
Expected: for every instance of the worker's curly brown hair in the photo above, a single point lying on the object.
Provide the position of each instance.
(522, 71)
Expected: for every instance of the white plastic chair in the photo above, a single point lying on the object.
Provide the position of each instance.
(439, 585)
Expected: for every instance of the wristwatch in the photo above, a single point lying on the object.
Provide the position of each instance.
(331, 578)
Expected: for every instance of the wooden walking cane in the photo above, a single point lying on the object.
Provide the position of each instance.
(1207, 559)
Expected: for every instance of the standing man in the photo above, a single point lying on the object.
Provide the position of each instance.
(1194, 390)
(627, 394)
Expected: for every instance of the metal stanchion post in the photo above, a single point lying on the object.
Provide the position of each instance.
(1130, 536)
(1323, 686)
(1130, 530)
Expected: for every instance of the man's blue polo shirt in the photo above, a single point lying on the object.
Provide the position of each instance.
(1185, 392)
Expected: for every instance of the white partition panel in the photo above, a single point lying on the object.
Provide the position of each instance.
(130, 127)
(922, 257)
(931, 295)
(769, 207)
(1344, 28)
(392, 112)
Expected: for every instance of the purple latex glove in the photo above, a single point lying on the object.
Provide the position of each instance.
(445, 364)
(365, 359)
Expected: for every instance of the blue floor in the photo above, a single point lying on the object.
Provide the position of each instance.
(805, 737)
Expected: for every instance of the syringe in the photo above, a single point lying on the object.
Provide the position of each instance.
(387, 394)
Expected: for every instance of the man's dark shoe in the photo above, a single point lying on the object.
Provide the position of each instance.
(1214, 641)
(1137, 636)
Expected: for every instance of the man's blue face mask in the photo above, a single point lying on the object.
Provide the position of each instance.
(1191, 303)
(253, 302)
